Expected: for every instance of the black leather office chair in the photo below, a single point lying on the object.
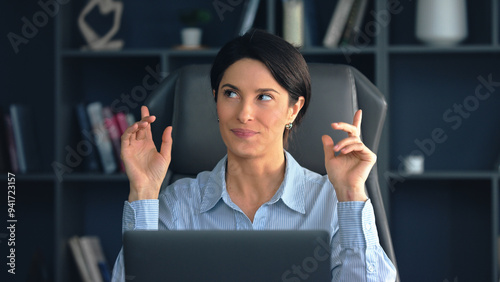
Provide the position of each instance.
(184, 99)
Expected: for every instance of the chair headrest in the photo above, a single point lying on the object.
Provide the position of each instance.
(198, 145)
(333, 99)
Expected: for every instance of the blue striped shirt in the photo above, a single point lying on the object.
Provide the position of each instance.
(305, 200)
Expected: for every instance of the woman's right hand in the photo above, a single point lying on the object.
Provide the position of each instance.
(145, 166)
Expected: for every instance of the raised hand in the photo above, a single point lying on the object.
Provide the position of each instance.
(145, 166)
(348, 170)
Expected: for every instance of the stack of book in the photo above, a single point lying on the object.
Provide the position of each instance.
(102, 128)
(345, 24)
(89, 258)
(299, 21)
(19, 145)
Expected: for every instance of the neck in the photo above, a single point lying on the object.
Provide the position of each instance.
(255, 180)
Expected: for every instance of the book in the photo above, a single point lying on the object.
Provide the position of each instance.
(25, 138)
(89, 257)
(311, 35)
(121, 120)
(76, 249)
(4, 145)
(354, 22)
(293, 22)
(11, 144)
(337, 23)
(101, 137)
(91, 160)
(130, 119)
(114, 134)
(102, 263)
(247, 17)
(89, 246)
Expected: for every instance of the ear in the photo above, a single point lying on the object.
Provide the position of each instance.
(215, 95)
(295, 108)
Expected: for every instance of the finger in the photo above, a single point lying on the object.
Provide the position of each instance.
(166, 143)
(346, 127)
(128, 133)
(346, 142)
(144, 130)
(150, 120)
(328, 147)
(355, 147)
(357, 120)
(363, 153)
(144, 111)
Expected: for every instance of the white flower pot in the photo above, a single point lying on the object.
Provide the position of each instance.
(191, 37)
(441, 22)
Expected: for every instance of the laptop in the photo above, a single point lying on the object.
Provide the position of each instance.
(218, 255)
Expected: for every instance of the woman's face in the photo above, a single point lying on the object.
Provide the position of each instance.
(253, 109)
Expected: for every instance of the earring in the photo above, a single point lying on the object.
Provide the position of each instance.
(289, 126)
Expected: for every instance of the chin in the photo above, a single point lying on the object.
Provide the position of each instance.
(245, 151)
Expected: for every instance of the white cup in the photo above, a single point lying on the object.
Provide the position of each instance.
(414, 164)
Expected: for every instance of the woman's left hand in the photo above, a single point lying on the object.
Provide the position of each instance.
(348, 170)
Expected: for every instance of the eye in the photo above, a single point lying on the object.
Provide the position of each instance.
(230, 93)
(265, 97)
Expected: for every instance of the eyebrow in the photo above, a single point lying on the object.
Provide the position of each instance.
(258, 90)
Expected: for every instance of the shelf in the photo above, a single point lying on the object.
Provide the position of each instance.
(337, 51)
(94, 177)
(436, 101)
(201, 52)
(444, 215)
(452, 175)
(35, 177)
(138, 53)
(425, 49)
(73, 53)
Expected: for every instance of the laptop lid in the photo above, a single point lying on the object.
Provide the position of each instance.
(227, 255)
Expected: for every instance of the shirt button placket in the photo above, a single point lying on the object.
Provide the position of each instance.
(371, 268)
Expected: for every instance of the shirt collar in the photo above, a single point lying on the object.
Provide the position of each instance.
(212, 192)
(291, 191)
(293, 187)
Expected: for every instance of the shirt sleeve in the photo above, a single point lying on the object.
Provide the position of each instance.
(138, 215)
(356, 251)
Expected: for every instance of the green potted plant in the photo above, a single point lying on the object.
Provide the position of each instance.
(192, 19)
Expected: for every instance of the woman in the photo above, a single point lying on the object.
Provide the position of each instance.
(261, 88)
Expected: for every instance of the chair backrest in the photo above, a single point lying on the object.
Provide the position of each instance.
(185, 101)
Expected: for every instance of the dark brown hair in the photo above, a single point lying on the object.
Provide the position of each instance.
(283, 60)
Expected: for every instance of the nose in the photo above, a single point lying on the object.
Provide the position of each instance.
(246, 111)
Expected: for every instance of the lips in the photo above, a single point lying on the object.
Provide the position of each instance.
(243, 133)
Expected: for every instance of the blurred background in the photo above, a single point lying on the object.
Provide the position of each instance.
(438, 159)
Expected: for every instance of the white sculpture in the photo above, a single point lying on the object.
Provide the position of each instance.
(95, 41)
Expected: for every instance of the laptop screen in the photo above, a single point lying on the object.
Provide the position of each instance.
(218, 255)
